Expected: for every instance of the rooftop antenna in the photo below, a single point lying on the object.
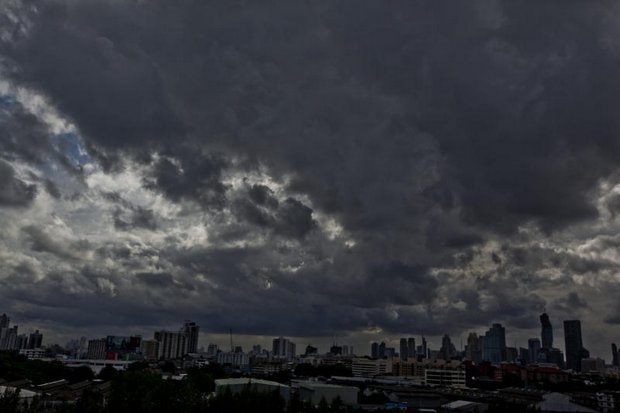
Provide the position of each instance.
(232, 349)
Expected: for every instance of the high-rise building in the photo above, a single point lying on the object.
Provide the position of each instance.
(495, 344)
(4, 321)
(424, 348)
(473, 351)
(447, 350)
(172, 344)
(374, 350)
(382, 350)
(35, 340)
(546, 331)
(614, 355)
(533, 346)
(283, 348)
(404, 351)
(411, 351)
(191, 330)
(149, 349)
(574, 345)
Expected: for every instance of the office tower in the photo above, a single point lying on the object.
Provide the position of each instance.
(574, 345)
(191, 330)
(374, 350)
(473, 351)
(96, 349)
(411, 353)
(382, 350)
(524, 355)
(424, 348)
(447, 350)
(614, 355)
(35, 340)
(546, 331)
(345, 350)
(533, 346)
(404, 352)
(495, 344)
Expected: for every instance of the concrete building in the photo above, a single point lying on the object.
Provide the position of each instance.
(172, 345)
(96, 349)
(191, 330)
(593, 365)
(363, 367)
(35, 340)
(149, 349)
(313, 392)
(445, 377)
(283, 348)
(33, 353)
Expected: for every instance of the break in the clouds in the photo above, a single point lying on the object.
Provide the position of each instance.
(352, 169)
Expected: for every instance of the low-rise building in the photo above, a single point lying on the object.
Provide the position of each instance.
(445, 377)
(363, 367)
(314, 392)
(239, 384)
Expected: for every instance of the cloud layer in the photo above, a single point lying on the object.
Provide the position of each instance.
(316, 169)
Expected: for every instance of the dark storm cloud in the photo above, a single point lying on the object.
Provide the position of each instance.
(138, 218)
(13, 191)
(509, 116)
(423, 130)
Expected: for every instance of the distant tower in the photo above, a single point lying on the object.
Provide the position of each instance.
(533, 348)
(411, 347)
(404, 351)
(495, 344)
(374, 350)
(35, 340)
(614, 355)
(191, 330)
(424, 348)
(546, 331)
(574, 345)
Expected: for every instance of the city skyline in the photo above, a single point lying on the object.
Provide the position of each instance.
(311, 170)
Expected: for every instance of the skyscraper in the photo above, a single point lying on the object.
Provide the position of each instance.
(35, 340)
(411, 347)
(374, 350)
(533, 347)
(404, 351)
(473, 351)
(546, 331)
(574, 345)
(495, 344)
(447, 350)
(191, 330)
(614, 355)
(424, 348)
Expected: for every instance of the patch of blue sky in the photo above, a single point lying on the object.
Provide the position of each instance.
(70, 145)
(6, 101)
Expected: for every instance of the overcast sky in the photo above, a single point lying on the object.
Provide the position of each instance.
(353, 169)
